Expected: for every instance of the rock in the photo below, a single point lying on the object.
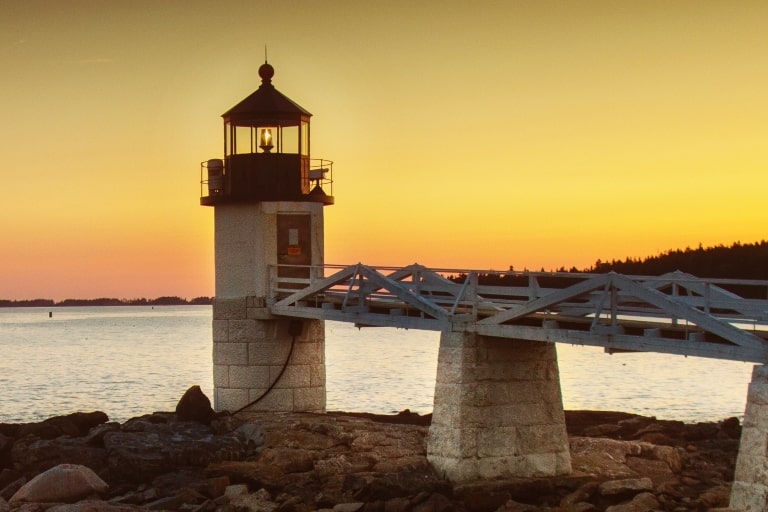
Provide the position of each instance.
(719, 496)
(215, 487)
(75, 425)
(85, 421)
(233, 491)
(731, 428)
(348, 507)
(582, 494)
(95, 436)
(32, 455)
(408, 482)
(483, 496)
(288, 460)
(157, 448)
(435, 502)
(658, 471)
(626, 486)
(671, 456)
(701, 431)
(603, 458)
(11, 488)
(602, 430)
(644, 502)
(64, 483)
(170, 483)
(260, 501)
(195, 406)
(250, 434)
(92, 506)
(4, 506)
(516, 506)
(165, 503)
(397, 505)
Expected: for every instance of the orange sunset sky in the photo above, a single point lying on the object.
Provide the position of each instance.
(464, 134)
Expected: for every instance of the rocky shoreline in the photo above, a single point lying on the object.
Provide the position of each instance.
(192, 460)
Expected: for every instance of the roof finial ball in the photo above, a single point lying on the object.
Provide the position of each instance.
(266, 72)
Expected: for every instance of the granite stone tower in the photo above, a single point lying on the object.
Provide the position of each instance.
(268, 198)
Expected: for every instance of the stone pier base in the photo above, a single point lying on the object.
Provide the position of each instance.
(498, 410)
(750, 482)
(250, 353)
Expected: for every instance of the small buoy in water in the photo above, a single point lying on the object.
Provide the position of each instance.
(50, 314)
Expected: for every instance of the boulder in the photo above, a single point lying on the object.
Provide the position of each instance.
(410, 481)
(604, 458)
(65, 483)
(644, 502)
(32, 456)
(11, 487)
(349, 507)
(629, 486)
(259, 501)
(195, 406)
(93, 506)
(74, 425)
(151, 449)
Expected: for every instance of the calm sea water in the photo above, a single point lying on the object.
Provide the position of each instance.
(128, 361)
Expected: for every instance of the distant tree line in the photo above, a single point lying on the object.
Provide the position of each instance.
(737, 261)
(160, 301)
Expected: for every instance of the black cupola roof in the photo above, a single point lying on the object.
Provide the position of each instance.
(266, 105)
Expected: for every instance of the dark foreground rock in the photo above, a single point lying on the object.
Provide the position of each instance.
(357, 462)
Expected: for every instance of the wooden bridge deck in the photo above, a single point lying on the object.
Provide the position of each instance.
(676, 313)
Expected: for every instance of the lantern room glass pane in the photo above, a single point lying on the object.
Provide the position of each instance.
(305, 139)
(243, 140)
(290, 140)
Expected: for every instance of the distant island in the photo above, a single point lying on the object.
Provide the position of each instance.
(160, 301)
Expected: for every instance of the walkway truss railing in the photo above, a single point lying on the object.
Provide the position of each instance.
(675, 313)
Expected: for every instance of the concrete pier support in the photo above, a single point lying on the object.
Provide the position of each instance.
(750, 482)
(498, 409)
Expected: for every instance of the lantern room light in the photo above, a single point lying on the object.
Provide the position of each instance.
(265, 140)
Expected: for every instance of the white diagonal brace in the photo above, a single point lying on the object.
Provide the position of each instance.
(719, 297)
(693, 283)
(319, 286)
(399, 275)
(402, 292)
(703, 320)
(550, 299)
(457, 290)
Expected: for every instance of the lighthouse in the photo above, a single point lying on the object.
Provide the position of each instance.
(268, 196)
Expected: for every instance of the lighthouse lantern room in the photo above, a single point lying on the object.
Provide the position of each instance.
(266, 153)
(268, 197)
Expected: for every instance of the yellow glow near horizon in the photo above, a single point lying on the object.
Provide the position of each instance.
(538, 134)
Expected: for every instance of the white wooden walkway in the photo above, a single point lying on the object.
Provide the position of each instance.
(675, 313)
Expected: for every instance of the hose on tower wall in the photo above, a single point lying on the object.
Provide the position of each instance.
(294, 329)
